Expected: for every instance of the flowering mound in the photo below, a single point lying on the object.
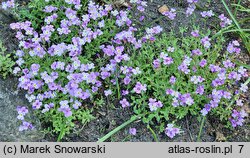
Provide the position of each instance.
(70, 59)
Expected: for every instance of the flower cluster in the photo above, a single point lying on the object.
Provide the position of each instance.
(238, 118)
(224, 21)
(171, 14)
(180, 99)
(154, 104)
(205, 14)
(233, 47)
(22, 112)
(191, 7)
(8, 4)
(171, 131)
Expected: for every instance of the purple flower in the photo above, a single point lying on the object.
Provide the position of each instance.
(65, 108)
(139, 88)
(77, 104)
(214, 68)
(172, 80)
(206, 42)
(203, 63)
(195, 33)
(170, 14)
(25, 126)
(154, 104)
(124, 103)
(107, 92)
(190, 9)
(125, 92)
(8, 4)
(200, 90)
(37, 104)
(170, 49)
(168, 60)
(141, 18)
(196, 52)
(205, 14)
(170, 131)
(197, 79)
(186, 99)
(237, 118)
(228, 64)
(156, 63)
(141, 8)
(22, 111)
(126, 80)
(243, 87)
(239, 102)
(132, 131)
(224, 21)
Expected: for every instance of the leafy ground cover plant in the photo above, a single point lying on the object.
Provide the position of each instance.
(6, 62)
(72, 60)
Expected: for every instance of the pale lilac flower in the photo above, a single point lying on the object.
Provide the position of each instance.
(170, 14)
(171, 131)
(156, 63)
(172, 80)
(170, 49)
(26, 126)
(139, 88)
(154, 104)
(206, 42)
(205, 14)
(124, 103)
(196, 52)
(200, 90)
(203, 63)
(37, 104)
(132, 131)
(168, 61)
(107, 92)
(239, 102)
(195, 33)
(243, 87)
(224, 21)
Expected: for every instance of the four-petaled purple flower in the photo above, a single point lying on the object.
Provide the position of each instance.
(171, 131)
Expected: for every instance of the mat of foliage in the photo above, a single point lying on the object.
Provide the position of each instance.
(77, 57)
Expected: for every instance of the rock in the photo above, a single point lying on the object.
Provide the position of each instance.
(7, 36)
(10, 98)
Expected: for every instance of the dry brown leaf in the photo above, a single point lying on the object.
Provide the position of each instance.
(121, 3)
(220, 137)
(163, 9)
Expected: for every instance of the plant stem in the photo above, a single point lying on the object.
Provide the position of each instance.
(132, 119)
(118, 87)
(154, 135)
(201, 127)
(231, 14)
(236, 9)
(242, 34)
